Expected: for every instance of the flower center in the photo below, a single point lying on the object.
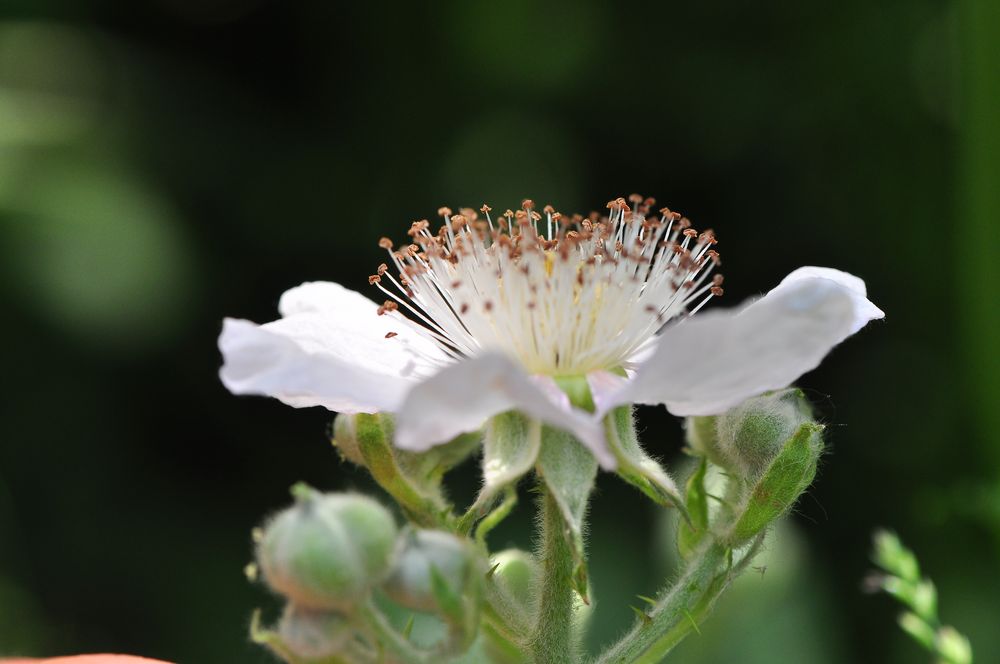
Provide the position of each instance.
(564, 295)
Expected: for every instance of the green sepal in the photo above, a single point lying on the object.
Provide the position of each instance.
(510, 449)
(635, 466)
(788, 475)
(690, 533)
(276, 644)
(459, 608)
(424, 505)
(569, 471)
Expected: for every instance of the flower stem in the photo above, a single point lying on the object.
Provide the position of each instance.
(679, 610)
(553, 640)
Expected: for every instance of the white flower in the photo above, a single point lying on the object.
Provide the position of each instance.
(489, 314)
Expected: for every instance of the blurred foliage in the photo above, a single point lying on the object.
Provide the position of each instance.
(165, 164)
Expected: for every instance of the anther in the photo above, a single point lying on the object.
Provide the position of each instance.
(382, 269)
(385, 243)
(374, 279)
(716, 291)
(528, 204)
(444, 212)
(390, 335)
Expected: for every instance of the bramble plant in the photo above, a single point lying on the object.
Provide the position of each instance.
(527, 339)
(900, 577)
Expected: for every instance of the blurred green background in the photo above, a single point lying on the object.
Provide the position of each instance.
(166, 163)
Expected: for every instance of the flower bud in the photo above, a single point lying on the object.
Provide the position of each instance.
(327, 551)
(751, 435)
(313, 635)
(345, 438)
(780, 484)
(516, 571)
(428, 560)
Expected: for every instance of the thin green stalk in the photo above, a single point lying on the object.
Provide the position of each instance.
(553, 640)
(677, 612)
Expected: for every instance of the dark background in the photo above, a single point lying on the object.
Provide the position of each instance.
(164, 164)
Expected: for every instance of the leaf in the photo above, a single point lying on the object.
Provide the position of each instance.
(635, 466)
(569, 471)
(691, 532)
(509, 451)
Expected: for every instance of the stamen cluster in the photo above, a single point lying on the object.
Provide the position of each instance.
(564, 295)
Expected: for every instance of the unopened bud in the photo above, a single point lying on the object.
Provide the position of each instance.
(516, 571)
(327, 551)
(345, 438)
(790, 473)
(428, 560)
(313, 635)
(751, 435)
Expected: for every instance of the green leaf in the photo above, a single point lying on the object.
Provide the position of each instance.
(509, 451)
(635, 466)
(569, 470)
(691, 532)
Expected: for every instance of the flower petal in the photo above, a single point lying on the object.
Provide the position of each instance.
(461, 396)
(331, 349)
(864, 310)
(709, 363)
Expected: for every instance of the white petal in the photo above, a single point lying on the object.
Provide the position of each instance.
(329, 350)
(864, 310)
(709, 363)
(462, 396)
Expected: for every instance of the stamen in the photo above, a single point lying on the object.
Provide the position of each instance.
(580, 294)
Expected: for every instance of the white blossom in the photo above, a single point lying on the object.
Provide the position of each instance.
(485, 315)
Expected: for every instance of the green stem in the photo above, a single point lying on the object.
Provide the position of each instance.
(553, 640)
(677, 612)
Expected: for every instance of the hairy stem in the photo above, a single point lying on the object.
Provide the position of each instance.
(677, 611)
(553, 640)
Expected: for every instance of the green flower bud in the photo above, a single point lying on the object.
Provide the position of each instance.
(433, 568)
(789, 473)
(345, 438)
(752, 434)
(327, 551)
(703, 438)
(314, 635)
(516, 571)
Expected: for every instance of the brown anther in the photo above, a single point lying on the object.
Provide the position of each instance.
(385, 243)
(532, 304)
(403, 281)
(690, 232)
(444, 212)
(508, 213)
(464, 309)
(486, 209)
(716, 291)
(374, 279)
(469, 213)
(456, 284)
(684, 222)
(717, 280)
(382, 269)
(487, 305)
(649, 202)
(390, 335)
(528, 204)
(635, 199)
(548, 209)
(708, 237)
(535, 216)
(619, 246)
(714, 255)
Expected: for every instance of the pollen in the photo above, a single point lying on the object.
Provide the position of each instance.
(562, 294)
